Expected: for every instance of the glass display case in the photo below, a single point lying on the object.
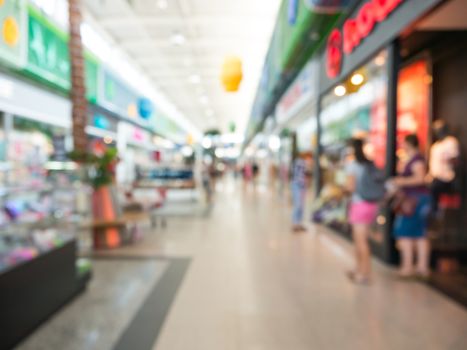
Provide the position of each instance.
(41, 196)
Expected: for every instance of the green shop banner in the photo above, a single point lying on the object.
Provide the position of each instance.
(48, 56)
(47, 51)
(166, 127)
(91, 66)
(13, 22)
(301, 27)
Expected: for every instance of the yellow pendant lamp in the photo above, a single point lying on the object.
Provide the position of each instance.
(232, 74)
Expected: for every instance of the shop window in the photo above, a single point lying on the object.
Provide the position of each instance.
(30, 148)
(357, 108)
(413, 110)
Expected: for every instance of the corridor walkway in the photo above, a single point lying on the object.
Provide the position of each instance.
(251, 285)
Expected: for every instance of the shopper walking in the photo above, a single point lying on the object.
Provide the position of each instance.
(298, 187)
(247, 174)
(207, 183)
(366, 183)
(410, 227)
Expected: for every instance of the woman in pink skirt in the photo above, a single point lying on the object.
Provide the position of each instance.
(362, 213)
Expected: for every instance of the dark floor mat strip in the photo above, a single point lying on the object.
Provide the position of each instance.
(144, 329)
(125, 256)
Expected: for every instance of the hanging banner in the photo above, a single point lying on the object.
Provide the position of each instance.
(91, 66)
(13, 21)
(47, 51)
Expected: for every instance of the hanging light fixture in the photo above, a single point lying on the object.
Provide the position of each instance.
(232, 74)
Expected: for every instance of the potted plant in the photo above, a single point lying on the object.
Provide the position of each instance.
(100, 174)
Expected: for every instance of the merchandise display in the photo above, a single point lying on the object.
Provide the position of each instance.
(167, 177)
(18, 248)
(41, 201)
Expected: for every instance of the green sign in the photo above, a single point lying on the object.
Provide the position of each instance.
(117, 96)
(166, 127)
(13, 32)
(48, 56)
(91, 66)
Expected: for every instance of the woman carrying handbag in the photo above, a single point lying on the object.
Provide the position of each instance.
(412, 208)
(366, 184)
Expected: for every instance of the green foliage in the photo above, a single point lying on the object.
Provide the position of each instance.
(212, 132)
(100, 169)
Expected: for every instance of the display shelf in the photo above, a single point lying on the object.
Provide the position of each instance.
(16, 250)
(11, 191)
(32, 291)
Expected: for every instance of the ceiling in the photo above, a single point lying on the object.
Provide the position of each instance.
(181, 45)
(449, 16)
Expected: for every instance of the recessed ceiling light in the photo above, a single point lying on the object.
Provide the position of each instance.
(187, 62)
(357, 79)
(195, 79)
(340, 90)
(162, 4)
(178, 39)
(204, 100)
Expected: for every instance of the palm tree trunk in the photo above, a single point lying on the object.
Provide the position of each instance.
(78, 89)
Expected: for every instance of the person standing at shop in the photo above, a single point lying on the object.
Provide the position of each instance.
(444, 163)
(247, 174)
(410, 226)
(366, 183)
(298, 187)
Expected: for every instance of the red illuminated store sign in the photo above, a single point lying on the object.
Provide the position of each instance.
(355, 30)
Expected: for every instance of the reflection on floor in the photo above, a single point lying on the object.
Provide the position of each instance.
(253, 285)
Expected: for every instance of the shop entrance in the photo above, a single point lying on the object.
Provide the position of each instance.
(449, 104)
(441, 40)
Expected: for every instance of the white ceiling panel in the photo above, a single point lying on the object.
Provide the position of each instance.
(174, 40)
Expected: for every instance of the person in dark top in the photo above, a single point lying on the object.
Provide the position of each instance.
(410, 231)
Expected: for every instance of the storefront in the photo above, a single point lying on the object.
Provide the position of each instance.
(39, 270)
(102, 126)
(295, 116)
(389, 69)
(137, 152)
(33, 120)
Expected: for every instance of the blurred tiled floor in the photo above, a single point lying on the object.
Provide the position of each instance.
(252, 285)
(96, 319)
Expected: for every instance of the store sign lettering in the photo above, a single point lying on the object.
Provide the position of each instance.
(334, 55)
(355, 30)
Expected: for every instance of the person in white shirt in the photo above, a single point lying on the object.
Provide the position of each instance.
(444, 159)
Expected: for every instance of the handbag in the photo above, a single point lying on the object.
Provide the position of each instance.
(403, 204)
